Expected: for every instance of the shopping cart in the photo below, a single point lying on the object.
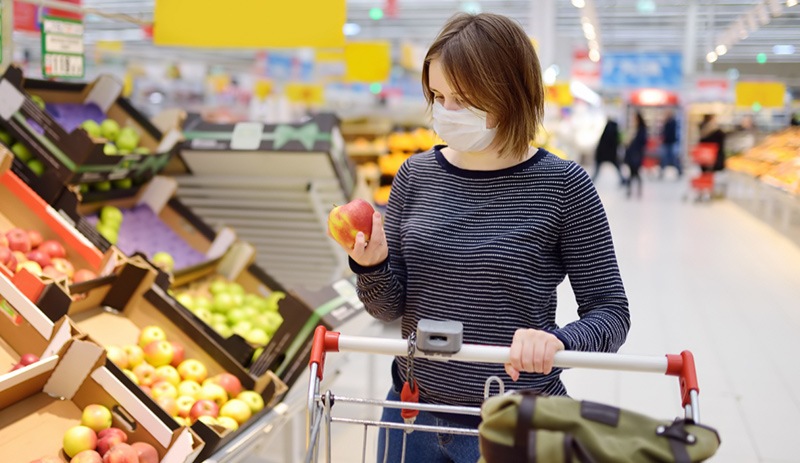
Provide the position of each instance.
(442, 347)
(704, 155)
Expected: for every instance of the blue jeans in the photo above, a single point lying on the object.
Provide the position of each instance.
(422, 446)
(671, 157)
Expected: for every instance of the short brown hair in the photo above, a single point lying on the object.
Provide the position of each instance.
(490, 62)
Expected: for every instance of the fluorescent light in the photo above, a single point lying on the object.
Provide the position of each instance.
(594, 45)
(580, 90)
(791, 3)
(721, 50)
(351, 29)
(711, 57)
(594, 55)
(578, 3)
(783, 49)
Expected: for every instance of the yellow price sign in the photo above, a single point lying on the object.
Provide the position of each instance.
(368, 61)
(305, 93)
(765, 94)
(559, 93)
(262, 89)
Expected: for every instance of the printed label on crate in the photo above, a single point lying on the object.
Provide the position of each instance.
(62, 47)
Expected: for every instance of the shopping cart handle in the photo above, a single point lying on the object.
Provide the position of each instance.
(324, 341)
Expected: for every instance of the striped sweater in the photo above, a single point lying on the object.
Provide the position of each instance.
(488, 249)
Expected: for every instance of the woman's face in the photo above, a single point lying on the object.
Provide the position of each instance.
(444, 95)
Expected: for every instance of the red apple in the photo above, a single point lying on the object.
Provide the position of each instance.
(39, 257)
(204, 408)
(158, 353)
(35, 238)
(7, 258)
(178, 354)
(230, 383)
(184, 404)
(113, 432)
(104, 444)
(169, 404)
(146, 390)
(87, 456)
(118, 356)
(96, 417)
(63, 265)
(3, 241)
(344, 222)
(121, 453)
(147, 453)
(18, 240)
(28, 359)
(51, 272)
(53, 249)
(83, 275)
(79, 438)
(146, 374)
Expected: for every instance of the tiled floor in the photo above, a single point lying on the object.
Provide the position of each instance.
(705, 277)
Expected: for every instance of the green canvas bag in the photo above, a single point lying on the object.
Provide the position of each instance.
(524, 427)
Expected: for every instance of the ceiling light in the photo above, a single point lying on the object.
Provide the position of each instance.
(594, 55)
(711, 57)
(593, 44)
(471, 7)
(791, 3)
(783, 49)
(721, 50)
(646, 6)
(351, 29)
(578, 3)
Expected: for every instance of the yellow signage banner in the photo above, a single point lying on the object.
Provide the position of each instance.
(559, 93)
(766, 94)
(305, 93)
(368, 61)
(249, 23)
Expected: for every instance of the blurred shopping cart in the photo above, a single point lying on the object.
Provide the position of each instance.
(440, 345)
(701, 187)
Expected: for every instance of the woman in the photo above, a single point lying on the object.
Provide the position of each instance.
(634, 154)
(483, 230)
(608, 150)
(711, 133)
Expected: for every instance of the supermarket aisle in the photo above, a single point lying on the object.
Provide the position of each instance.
(708, 278)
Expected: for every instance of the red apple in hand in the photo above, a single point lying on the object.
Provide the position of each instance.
(344, 222)
(18, 240)
(147, 453)
(35, 238)
(53, 249)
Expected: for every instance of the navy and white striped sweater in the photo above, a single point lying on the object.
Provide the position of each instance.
(488, 249)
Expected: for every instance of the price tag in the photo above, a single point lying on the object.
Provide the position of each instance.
(62, 47)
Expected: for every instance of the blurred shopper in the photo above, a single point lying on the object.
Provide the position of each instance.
(483, 231)
(670, 155)
(634, 154)
(795, 119)
(608, 150)
(711, 133)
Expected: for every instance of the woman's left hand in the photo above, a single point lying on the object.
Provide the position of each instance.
(532, 351)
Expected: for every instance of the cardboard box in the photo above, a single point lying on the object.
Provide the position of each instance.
(313, 149)
(75, 156)
(39, 403)
(21, 207)
(188, 230)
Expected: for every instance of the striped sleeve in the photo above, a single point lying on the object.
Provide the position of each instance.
(587, 252)
(382, 288)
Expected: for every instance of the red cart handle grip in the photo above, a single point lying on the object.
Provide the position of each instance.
(324, 341)
(683, 367)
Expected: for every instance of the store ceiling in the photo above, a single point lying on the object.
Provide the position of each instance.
(623, 26)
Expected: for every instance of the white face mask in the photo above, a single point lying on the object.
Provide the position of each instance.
(464, 129)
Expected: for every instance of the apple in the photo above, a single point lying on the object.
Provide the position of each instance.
(128, 139)
(182, 421)
(51, 272)
(218, 318)
(202, 302)
(21, 152)
(28, 359)
(150, 334)
(38, 100)
(53, 249)
(185, 300)
(214, 392)
(111, 215)
(229, 382)
(96, 417)
(135, 355)
(178, 354)
(113, 432)
(146, 374)
(189, 388)
(204, 408)
(223, 302)
(83, 275)
(184, 404)
(121, 453)
(169, 374)
(79, 438)
(222, 329)
(164, 261)
(236, 409)
(142, 150)
(92, 128)
(257, 336)
(39, 257)
(31, 266)
(118, 356)
(243, 327)
(18, 240)
(109, 232)
(123, 183)
(6, 138)
(109, 129)
(228, 422)
(158, 353)
(104, 444)
(257, 354)
(204, 315)
(218, 287)
(209, 420)
(344, 222)
(253, 400)
(147, 453)
(163, 389)
(192, 369)
(146, 390)
(63, 265)
(235, 315)
(87, 456)
(169, 404)
(132, 376)
(7, 259)
(102, 186)
(36, 166)
(3, 241)
(35, 238)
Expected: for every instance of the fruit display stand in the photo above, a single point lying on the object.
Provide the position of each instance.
(52, 134)
(150, 222)
(275, 185)
(42, 401)
(116, 309)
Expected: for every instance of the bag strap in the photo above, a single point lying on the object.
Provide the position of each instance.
(524, 434)
(678, 438)
(574, 449)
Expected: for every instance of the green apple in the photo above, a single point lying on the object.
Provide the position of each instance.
(272, 300)
(127, 139)
(6, 138)
(223, 302)
(102, 186)
(21, 152)
(110, 129)
(78, 439)
(238, 299)
(36, 166)
(270, 322)
(202, 302)
(186, 300)
(111, 215)
(227, 422)
(108, 232)
(92, 128)
(109, 149)
(235, 288)
(257, 336)
(204, 315)
(142, 150)
(242, 328)
(236, 409)
(83, 188)
(235, 316)
(218, 318)
(251, 299)
(253, 400)
(217, 287)
(39, 101)
(96, 417)
(164, 261)
(222, 329)
(257, 354)
(122, 184)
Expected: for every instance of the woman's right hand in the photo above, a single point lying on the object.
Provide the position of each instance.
(367, 254)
